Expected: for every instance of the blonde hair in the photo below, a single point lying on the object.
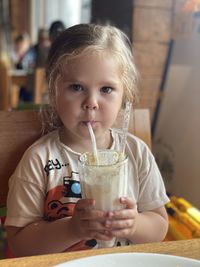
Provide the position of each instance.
(86, 38)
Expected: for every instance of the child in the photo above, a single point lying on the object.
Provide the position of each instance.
(91, 74)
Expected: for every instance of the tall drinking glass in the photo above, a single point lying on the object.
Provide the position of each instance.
(105, 182)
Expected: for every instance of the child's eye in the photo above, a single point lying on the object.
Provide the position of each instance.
(76, 87)
(106, 89)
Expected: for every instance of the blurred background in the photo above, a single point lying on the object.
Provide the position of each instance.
(166, 45)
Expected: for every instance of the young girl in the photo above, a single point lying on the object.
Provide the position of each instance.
(91, 74)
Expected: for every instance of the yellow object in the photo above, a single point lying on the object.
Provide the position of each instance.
(184, 206)
(184, 219)
(177, 230)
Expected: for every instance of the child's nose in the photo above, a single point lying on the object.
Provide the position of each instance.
(90, 103)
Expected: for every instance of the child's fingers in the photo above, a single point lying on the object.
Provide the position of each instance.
(105, 235)
(128, 212)
(85, 210)
(121, 233)
(119, 224)
(97, 215)
(130, 204)
(90, 225)
(83, 204)
(96, 230)
(121, 214)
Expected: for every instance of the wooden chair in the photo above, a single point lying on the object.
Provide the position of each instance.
(10, 82)
(41, 87)
(19, 129)
(4, 87)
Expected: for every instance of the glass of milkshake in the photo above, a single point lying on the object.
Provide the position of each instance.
(105, 181)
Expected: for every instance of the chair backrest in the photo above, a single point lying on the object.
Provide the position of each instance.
(4, 87)
(41, 87)
(19, 129)
(10, 83)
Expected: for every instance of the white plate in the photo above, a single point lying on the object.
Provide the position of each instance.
(132, 260)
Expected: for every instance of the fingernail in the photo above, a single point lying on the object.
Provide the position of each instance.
(110, 214)
(107, 224)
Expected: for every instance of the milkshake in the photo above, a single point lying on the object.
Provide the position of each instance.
(105, 182)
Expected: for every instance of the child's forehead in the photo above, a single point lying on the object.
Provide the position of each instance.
(99, 68)
(86, 60)
(88, 57)
(90, 53)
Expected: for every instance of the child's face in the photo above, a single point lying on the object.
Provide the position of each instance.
(90, 91)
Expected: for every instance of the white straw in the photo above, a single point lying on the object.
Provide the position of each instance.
(125, 126)
(93, 139)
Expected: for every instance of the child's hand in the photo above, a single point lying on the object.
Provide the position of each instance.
(88, 223)
(122, 223)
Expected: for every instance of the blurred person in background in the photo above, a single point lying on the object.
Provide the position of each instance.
(35, 57)
(55, 29)
(21, 45)
(37, 54)
(21, 60)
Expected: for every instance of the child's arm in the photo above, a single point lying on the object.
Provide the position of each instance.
(44, 237)
(149, 226)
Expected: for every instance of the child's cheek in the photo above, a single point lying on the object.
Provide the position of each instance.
(66, 97)
(70, 97)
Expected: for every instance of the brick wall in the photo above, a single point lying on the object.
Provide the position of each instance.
(152, 24)
(20, 16)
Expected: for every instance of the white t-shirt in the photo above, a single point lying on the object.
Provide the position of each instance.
(45, 184)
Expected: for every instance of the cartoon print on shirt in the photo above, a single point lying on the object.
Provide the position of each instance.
(72, 187)
(55, 206)
(60, 202)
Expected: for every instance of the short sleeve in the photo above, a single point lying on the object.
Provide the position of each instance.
(152, 192)
(26, 195)
(25, 206)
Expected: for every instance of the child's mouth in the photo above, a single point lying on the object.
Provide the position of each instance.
(90, 122)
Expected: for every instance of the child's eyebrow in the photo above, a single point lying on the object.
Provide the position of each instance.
(77, 80)
(71, 81)
(110, 83)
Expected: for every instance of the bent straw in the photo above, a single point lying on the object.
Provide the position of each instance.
(94, 145)
(126, 119)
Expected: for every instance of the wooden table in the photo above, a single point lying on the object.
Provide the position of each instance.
(184, 248)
